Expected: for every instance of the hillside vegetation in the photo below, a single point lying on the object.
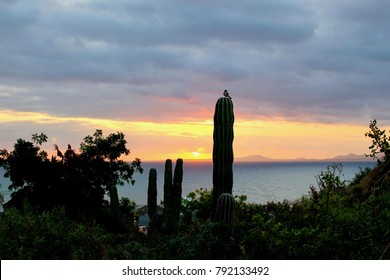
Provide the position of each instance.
(336, 220)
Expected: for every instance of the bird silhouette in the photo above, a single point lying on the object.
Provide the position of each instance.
(226, 94)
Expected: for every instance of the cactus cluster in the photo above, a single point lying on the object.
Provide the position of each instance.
(223, 148)
(172, 195)
(222, 198)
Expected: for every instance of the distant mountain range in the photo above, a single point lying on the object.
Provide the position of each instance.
(340, 158)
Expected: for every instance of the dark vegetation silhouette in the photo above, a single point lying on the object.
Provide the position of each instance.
(79, 182)
(59, 210)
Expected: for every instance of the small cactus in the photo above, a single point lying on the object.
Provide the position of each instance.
(152, 193)
(167, 216)
(177, 190)
(225, 209)
(114, 202)
(167, 180)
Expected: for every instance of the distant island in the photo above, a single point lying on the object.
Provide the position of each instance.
(339, 158)
(259, 158)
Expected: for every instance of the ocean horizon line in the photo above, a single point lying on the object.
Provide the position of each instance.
(242, 160)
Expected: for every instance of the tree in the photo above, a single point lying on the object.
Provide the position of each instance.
(380, 142)
(105, 166)
(78, 181)
(25, 165)
(330, 181)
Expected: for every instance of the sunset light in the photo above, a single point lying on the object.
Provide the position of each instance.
(195, 154)
(216, 130)
(158, 141)
(298, 90)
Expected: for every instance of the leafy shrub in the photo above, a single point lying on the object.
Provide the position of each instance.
(199, 202)
(49, 235)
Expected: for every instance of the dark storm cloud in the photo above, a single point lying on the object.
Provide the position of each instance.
(299, 60)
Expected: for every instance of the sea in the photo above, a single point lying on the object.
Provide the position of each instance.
(261, 182)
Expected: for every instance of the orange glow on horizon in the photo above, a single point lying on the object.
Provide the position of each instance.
(193, 140)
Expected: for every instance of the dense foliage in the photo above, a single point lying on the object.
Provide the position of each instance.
(331, 223)
(76, 181)
(336, 220)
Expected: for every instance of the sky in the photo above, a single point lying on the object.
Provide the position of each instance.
(306, 76)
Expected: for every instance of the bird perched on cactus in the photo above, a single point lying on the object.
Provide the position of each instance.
(226, 94)
(223, 157)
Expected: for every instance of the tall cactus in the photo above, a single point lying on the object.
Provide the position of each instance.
(223, 148)
(152, 193)
(225, 209)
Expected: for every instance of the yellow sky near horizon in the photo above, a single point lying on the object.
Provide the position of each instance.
(193, 140)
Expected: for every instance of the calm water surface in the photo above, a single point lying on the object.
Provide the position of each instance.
(261, 182)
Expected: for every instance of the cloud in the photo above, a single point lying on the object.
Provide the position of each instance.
(169, 60)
